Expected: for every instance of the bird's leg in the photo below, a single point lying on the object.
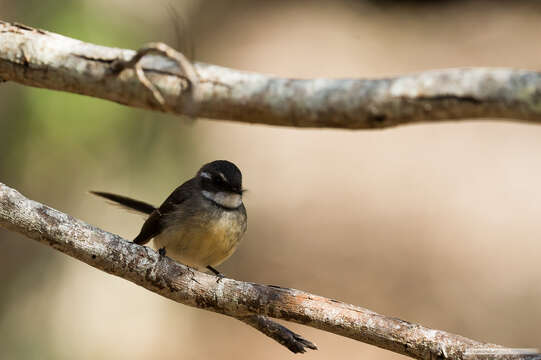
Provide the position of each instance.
(216, 272)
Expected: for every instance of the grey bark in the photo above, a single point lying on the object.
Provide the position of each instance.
(248, 302)
(43, 59)
(168, 83)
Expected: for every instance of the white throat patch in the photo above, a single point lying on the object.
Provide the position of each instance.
(225, 199)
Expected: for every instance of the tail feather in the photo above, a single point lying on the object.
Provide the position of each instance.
(126, 202)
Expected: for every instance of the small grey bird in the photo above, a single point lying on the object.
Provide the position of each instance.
(201, 223)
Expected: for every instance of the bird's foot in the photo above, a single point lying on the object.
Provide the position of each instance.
(162, 251)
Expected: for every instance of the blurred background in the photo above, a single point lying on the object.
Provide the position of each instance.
(434, 224)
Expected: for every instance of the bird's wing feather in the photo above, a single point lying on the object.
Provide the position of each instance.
(152, 227)
(155, 223)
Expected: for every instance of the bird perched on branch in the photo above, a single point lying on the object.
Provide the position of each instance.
(201, 223)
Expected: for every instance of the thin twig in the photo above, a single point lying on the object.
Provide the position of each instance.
(237, 299)
(43, 59)
(185, 66)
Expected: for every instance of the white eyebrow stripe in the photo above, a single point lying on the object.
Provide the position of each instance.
(205, 175)
(222, 176)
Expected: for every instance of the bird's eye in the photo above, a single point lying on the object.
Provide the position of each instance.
(217, 179)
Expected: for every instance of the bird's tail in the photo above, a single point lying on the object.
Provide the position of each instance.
(126, 202)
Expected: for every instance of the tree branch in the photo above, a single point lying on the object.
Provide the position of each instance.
(248, 302)
(43, 59)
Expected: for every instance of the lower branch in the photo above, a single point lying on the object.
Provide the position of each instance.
(248, 302)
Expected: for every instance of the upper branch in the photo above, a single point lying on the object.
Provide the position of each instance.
(43, 59)
(143, 266)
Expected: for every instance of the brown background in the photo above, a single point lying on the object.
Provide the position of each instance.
(435, 224)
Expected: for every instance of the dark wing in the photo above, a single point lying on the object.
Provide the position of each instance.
(152, 227)
(177, 197)
(155, 223)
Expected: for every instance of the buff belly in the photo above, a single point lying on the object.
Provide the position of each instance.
(202, 242)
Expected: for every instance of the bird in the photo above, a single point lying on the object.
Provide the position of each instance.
(201, 223)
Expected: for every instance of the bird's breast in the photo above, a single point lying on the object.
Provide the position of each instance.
(205, 239)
